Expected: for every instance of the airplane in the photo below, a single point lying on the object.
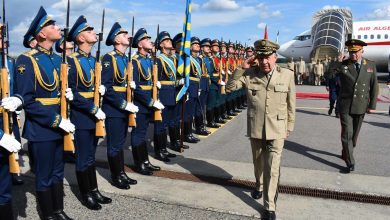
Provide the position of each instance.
(375, 33)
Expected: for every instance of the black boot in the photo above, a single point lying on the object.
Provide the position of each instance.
(69, 157)
(242, 102)
(188, 137)
(199, 126)
(138, 161)
(145, 159)
(122, 173)
(269, 215)
(95, 193)
(330, 110)
(164, 139)
(217, 115)
(84, 186)
(236, 104)
(175, 139)
(210, 119)
(6, 212)
(45, 201)
(57, 191)
(158, 154)
(179, 134)
(16, 180)
(115, 164)
(30, 157)
(229, 106)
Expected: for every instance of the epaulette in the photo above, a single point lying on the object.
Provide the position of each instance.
(31, 52)
(112, 53)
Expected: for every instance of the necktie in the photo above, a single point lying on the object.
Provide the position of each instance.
(357, 66)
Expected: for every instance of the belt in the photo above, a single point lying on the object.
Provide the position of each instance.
(168, 83)
(1, 109)
(146, 87)
(48, 101)
(194, 79)
(215, 74)
(207, 76)
(87, 95)
(119, 88)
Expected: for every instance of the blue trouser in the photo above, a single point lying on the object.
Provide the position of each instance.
(86, 143)
(138, 134)
(189, 109)
(201, 107)
(116, 135)
(333, 92)
(212, 99)
(5, 178)
(168, 119)
(48, 163)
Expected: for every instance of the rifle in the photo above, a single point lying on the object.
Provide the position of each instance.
(100, 129)
(157, 112)
(68, 142)
(13, 158)
(223, 91)
(129, 91)
(227, 64)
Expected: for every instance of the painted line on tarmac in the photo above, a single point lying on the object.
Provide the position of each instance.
(318, 108)
(213, 130)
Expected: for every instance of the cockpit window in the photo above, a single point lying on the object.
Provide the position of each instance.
(302, 37)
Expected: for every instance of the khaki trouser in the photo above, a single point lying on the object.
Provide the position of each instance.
(266, 159)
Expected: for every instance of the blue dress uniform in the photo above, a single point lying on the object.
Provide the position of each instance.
(114, 78)
(204, 87)
(142, 76)
(167, 95)
(333, 84)
(193, 103)
(82, 115)
(37, 81)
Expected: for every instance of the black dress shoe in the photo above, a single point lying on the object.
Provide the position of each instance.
(99, 197)
(16, 180)
(127, 179)
(231, 113)
(337, 115)
(201, 131)
(144, 170)
(330, 111)
(190, 139)
(61, 216)
(213, 125)
(220, 121)
(351, 167)
(269, 215)
(237, 110)
(151, 167)
(166, 153)
(256, 194)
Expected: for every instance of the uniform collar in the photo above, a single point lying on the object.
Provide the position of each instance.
(43, 50)
(119, 53)
(142, 56)
(84, 53)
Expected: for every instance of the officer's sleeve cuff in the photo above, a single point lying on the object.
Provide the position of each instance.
(151, 103)
(56, 121)
(94, 109)
(123, 105)
(290, 126)
(1, 134)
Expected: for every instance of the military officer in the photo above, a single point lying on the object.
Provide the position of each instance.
(84, 113)
(29, 41)
(117, 109)
(291, 64)
(142, 76)
(271, 115)
(44, 125)
(231, 62)
(204, 88)
(358, 94)
(167, 77)
(301, 71)
(8, 143)
(192, 91)
(207, 59)
(223, 97)
(318, 72)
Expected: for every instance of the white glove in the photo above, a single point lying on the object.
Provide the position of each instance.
(130, 107)
(69, 94)
(100, 114)
(222, 83)
(132, 85)
(67, 126)
(223, 72)
(102, 90)
(18, 113)
(157, 104)
(158, 85)
(180, 82)
(229, 72)
(199, 91)
(11, 103)
(9, 143)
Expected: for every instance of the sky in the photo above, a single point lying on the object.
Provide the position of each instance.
(235, 20)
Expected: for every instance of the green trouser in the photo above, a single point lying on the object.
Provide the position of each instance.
(350, 127)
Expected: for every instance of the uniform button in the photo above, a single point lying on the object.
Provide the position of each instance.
(363, 90)
(354, 96)
(355, 89)
(266, 112)
(267, 97)
(268, 89)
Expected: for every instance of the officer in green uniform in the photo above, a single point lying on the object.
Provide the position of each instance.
(358, 93)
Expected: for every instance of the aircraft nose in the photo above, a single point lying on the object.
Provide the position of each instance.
(283, 50)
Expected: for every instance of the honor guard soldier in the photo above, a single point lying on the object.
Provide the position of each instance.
(9, 143)
(69, 46)
(271, 115)
(218, 83)
(29, 41)
(83, 112)
(213, 84)
(333, 83)
(115, 106)
(223, 98)
(231, 62)
(37, 81)
(167, 77)
(358, 94)
(142, 76)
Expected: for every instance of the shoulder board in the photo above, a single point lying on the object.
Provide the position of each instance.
(31, 52)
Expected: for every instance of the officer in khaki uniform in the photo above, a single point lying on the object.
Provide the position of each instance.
(358, 93)
(271, 114)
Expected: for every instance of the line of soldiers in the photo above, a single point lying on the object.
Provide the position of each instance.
(311, 73)
(36, 88)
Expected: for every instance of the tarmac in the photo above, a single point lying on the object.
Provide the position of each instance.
(310, 160)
